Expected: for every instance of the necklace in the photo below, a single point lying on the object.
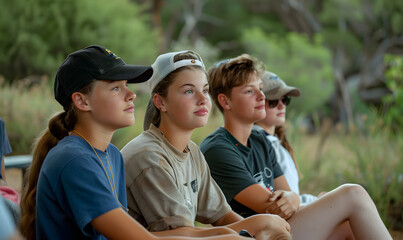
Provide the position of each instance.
(113, 187)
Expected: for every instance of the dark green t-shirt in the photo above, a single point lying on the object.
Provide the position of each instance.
(235, 166)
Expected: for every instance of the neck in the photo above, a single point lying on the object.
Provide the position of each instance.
(269, 129)
(179, 138)
(98, 138)
(239, 130)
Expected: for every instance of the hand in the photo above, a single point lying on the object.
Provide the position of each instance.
(265, 226)
(283, 203)
(279, 229)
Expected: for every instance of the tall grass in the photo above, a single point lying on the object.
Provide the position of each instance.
(25, 111)
(370, 157)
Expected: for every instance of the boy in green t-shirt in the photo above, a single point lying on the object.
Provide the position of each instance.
(243, 164)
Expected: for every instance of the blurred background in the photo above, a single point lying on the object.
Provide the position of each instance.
(346, 56)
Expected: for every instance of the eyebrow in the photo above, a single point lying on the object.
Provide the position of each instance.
(192, 85)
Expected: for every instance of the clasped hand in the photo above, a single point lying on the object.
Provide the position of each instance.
(283, 203)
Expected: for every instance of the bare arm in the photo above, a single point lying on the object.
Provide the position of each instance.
(262, 225)
(282, 202)
(228, 218)
(116, 224)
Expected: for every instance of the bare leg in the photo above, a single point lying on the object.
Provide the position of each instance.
(351, 202)
(342, 232)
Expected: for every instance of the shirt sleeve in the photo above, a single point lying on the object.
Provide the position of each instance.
(85, 192)
(5, 143)
(160, 202)
(228, 170)
(211, 203)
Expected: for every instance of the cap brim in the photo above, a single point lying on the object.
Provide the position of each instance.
(131, 73)
(283, 91)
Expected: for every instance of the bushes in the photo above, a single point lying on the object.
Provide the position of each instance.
(25, 111)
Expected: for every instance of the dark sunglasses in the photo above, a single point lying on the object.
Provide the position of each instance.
(273, 103)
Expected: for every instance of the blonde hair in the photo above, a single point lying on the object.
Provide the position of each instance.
(153, 114)
(233, 73)
(59, 127)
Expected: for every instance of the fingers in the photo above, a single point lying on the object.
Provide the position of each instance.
(276, 195)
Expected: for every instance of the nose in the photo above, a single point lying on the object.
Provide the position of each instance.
(203, 98)
(280, 104)
(261, 96)
(130, 95)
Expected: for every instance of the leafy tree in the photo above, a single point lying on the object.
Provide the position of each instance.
(298, 62)
(393, 108)
(37, 35)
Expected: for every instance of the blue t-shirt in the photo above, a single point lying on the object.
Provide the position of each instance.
(73, 189)
(5, 147)
(235, 167)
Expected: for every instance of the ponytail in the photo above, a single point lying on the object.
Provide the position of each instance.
(280, 133)
(59, 127)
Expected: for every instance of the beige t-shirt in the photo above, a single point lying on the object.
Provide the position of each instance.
(167, 188)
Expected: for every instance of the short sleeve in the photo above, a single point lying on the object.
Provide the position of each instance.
(212, 204)
(228, 170)
(5, 143)
(159, 201)
(85, 192)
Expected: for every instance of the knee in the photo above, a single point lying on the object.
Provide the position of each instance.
(356, 195)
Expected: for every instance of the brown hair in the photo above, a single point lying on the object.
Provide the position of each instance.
(280, 133)
(152, 113)
(233, 73)
(59, 127)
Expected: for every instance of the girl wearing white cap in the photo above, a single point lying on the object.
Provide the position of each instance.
(168, 181)
(76, 186)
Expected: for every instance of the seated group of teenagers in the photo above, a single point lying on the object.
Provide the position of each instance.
(241, 181)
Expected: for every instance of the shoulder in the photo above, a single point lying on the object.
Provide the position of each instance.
(144, 151)
(144, 144)
(219, 138)
(69, 153)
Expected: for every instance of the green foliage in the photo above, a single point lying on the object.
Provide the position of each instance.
(38, 34)
(26, 112)
(371, 158)
(208, 52)
(377, 166)
(298, 62)
(393, 115)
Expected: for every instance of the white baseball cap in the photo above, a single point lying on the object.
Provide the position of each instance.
(164, 65)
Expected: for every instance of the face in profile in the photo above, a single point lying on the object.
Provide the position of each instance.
(112, 104)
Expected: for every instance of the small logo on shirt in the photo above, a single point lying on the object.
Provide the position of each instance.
(194, 185)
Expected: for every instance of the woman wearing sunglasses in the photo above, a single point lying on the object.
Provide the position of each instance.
(278, 96)
(244, 165)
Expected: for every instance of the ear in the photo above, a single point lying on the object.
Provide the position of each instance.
(224, 101)
(80, 101)
(159, 102)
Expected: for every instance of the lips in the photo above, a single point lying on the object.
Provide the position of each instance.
(201, 112)
(130, 109)
(261, 106)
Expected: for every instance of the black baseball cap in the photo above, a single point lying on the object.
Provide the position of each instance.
(94, 62)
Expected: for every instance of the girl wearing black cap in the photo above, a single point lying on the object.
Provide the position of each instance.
(76, 186)
(168, 181)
